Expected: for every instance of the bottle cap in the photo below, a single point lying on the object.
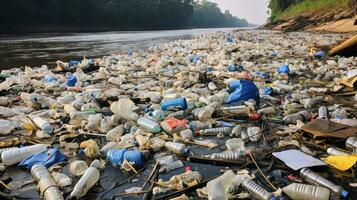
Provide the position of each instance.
(344, 194)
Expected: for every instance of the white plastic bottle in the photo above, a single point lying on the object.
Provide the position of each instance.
(297, 191)
(42, 124)
(87, 181)
(13, 156)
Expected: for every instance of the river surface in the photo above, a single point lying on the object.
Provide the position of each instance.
(38, 49)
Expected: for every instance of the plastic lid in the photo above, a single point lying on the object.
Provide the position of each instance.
(344, 193)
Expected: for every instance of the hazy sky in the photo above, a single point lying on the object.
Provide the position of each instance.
(255, 11)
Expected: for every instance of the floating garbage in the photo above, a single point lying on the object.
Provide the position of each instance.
(247, 115)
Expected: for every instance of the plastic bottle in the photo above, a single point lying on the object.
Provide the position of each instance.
(61, 179)
(174, 104)
(87, 181)
(267, 111)
(205, 112)
(313, 178)
(47, 186)
(351, 143)
(301, 116)
(115, 133)
(78, 167)
(228, 155)
(216, 131)
(237, 131)
(186, 134)
(149, 125)
(117, 156)
(177, 148)
(235, 144)
(42, 124)
(297, 191)
(13, 156)
(323, 113)
(110, 145)
(169, 166)
(335, 152)
(308, 103)
(7, 126)
(254, 133)
(256, 190)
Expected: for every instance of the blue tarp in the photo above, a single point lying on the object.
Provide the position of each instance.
(243, 91)
(46, 158)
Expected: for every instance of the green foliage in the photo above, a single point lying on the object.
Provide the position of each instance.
(281, 9)
(113, 14)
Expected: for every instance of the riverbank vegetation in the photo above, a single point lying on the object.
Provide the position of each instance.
(92, 15)
(285, 9)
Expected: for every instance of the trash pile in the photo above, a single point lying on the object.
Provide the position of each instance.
(240, 115)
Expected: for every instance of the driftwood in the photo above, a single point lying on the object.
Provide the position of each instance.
(348, 47)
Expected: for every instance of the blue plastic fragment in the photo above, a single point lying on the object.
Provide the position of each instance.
(46, 158)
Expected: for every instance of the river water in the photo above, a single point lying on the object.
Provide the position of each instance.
(38, 49)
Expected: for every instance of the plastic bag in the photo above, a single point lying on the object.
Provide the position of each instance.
(244, 90)
(46, 158)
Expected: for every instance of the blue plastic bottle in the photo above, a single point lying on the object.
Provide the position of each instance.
(174, 104)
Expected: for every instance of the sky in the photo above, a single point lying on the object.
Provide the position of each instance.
(255, 11)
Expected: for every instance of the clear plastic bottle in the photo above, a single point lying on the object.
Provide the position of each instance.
(311, 177)
(293, 118)
(308, 103)
(216, 131)
(297, 191)
(351, 143)
(149, 125)
(323, 113)
(217, 188)
(87, 181)
(228, 155)
(335, 152)
(115, 133)
(13, 156)
(177, 148)
(256, 190)
(47, 186)
(110, 145)
(42, 124)
(7, 126)
(267, 111)
(254, 133)
(235, 144)
(205, 112)
(169, 166)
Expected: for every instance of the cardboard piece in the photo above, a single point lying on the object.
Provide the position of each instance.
(322, 129)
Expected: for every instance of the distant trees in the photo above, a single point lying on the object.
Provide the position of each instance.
(113, 14)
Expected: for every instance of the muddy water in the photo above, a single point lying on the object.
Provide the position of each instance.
(38, 49)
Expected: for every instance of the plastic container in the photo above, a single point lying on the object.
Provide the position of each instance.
(256, 190)
(335, 152)
(351, 143)
(13, 156)
(169, 166)
(71, 81)
(117, 156)
(228, 155)
(254, 133)
(293, 118)
(86, 182)
(177, 148)
(186, 134)
(313, 178)
(149, 125)
(46, 184)
(42, 124)
(110, 145)
(216, 131)
(297, 191)
(78, 167)
(174, 104)
(323, 113)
